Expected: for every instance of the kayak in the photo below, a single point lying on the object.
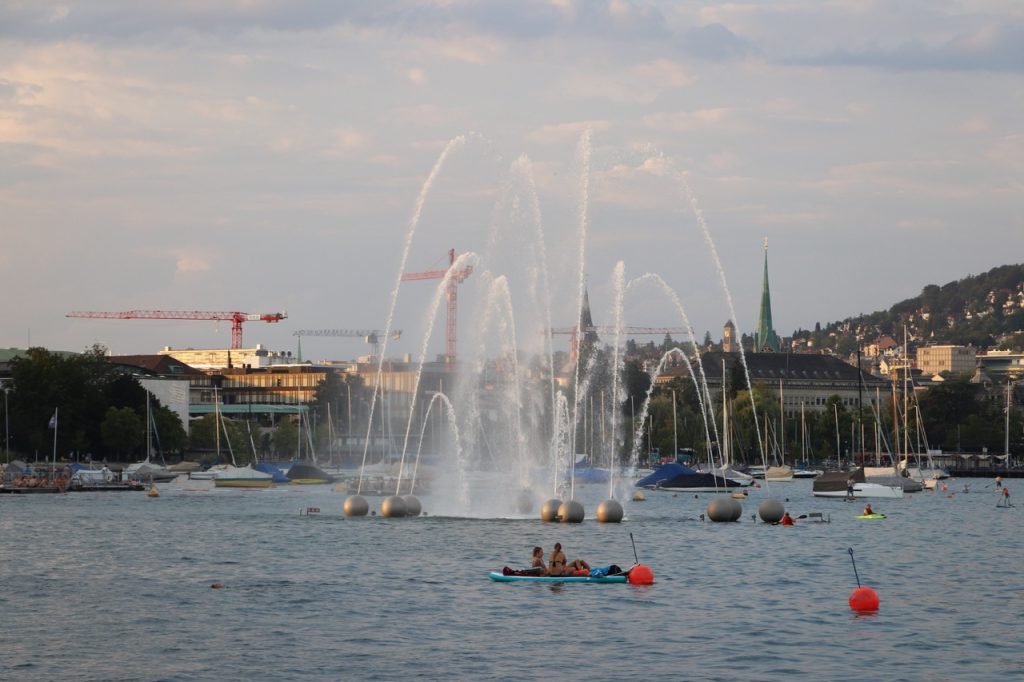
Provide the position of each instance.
(871, 516)
(502, 578)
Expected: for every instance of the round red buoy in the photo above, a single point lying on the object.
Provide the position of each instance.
(945, 488)
(641, 575)
(864, 600)
(217, 586)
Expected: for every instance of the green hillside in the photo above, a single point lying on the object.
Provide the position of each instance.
(984, 311)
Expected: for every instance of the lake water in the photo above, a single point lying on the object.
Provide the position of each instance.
(117, 587)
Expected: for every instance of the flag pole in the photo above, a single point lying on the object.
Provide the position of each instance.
(53, 473)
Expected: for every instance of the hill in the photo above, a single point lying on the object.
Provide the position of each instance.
(984, 311)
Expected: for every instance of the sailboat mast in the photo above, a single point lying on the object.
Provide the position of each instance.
(149, 430)
(1006, 436)
(216, 421)
(782, 427)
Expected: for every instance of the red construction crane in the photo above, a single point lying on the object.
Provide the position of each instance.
(235, 318)
(456, 279)
(574, 333)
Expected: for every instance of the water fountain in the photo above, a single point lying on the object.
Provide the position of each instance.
(514, 430)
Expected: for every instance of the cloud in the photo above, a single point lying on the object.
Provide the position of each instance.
(714, 42)
(987, 48)
(690, 121)
(638, 84)
(976, 124)
(191, 263)
(554, 133)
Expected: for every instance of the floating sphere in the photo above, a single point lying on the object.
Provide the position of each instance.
(412, 505)
(392, 507)
(524, 501)
(640, 575)
(771, 511)
(864, 600)
(609, 511)
(724, 509)
(356, 505)
(549, 510)
(639, 496)
(571, 512)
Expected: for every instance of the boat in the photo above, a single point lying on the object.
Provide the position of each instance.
(726, 471)
(242, 477)
(85, 480)
(148, 470)
(678, 478)
(779, 473)
(304, 473)
(497, 576)
(806, 473)
(833, 484)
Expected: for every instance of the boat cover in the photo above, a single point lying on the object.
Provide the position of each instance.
(664, 473)
(305, 471)
(835, 481)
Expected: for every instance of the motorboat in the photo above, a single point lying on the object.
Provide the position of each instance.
(242, 477)
(834, 484)
(678, 478)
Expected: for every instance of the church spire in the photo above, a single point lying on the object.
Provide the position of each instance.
(765, 339)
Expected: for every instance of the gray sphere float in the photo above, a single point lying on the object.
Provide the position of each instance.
(412, 505)
(392, 507)
(724, 509)
(356, 505)
(549, 510)
(571, 512)
(609, 511)
(771, 511)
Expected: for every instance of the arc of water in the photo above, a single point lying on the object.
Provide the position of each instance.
(703, 393)
(618, 294)
(414, 221)
(699, 214)
(584, 153)
(464, 260)
(459, 455)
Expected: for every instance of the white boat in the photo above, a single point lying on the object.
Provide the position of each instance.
(806, 473)
(835, 484)
(779, 473)
(242, 477)
(865, 490)
(147, 470)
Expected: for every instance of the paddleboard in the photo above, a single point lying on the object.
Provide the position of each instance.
(501, 578)
(871, 516)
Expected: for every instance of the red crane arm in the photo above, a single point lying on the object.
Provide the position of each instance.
(236, 318)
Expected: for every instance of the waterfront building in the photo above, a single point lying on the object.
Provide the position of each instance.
(932, 360)
(1002, 363)
(806, 379)
(225, 358)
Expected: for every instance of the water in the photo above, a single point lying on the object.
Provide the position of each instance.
(111, 587)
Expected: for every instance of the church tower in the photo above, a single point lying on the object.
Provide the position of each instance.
(765, 339)
(729, 337)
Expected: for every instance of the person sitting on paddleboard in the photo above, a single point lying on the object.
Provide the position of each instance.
(559, 566)
(868, 511)
(787, 520)
(538, 561)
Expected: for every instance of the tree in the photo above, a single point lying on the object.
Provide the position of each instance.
(123, 431)
(285, 438)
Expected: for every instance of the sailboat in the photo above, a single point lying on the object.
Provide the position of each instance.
(234, 476)
(726, 471)
(306, 472)
(781, 471)
(147, 470)
(802, 471)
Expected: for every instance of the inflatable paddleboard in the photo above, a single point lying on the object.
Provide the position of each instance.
(501, 578)
(871, 516)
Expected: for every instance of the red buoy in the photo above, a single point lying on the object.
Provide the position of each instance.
(864, 600)
(640, 575)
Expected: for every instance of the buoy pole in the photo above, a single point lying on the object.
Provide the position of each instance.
(635, 557)
(855, 575)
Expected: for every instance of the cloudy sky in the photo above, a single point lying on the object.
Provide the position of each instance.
(267, 155)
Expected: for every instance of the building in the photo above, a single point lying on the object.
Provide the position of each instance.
(729, 340)
(932, 360)
(1000, 364)
(221, 358)
(806, 380)
(765, 338)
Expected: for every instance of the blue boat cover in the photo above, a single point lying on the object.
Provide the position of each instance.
(268, 468)
(664, 473)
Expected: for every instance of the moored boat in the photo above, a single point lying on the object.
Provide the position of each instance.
(242, 477)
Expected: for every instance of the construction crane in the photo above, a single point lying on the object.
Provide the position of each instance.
(456, 279)
(236, 318)
(574, 333)
(371, 336)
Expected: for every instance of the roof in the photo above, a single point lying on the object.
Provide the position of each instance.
(784, 366)
(159, 365)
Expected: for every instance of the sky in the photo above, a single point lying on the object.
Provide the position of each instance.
(274, 155)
